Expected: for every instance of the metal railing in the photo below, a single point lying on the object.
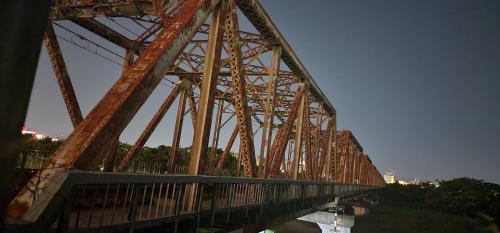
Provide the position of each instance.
(32, 159)
(89, 201)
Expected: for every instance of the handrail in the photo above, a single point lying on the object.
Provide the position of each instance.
(74, 192)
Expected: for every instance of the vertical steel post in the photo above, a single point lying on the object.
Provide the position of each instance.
(215, 139)
(298, 132)
(267, 130)
(208, 88)
(178, 127)
(317, 145)
(328, 153)
(207, 95)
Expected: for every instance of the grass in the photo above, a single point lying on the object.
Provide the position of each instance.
(385, 219)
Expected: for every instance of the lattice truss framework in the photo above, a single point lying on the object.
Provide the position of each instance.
(250, 81)
(270, 86)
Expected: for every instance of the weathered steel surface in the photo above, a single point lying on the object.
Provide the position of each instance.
(178, 128)
(331, 157)
(271, 101)
(115, 110)
(208, 89)
(285, 136)
(215, 138)
(325, 147)
(247, 149)
(299, 132)
(308, 137)
(106, 32)
(57, 61)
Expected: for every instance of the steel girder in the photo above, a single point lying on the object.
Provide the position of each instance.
(267, 130)
(247, 149)
(67, 91)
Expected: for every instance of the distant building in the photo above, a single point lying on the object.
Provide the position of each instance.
(402, 182)
(389, 176)
(27, 131)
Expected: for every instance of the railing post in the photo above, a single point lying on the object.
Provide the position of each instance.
(213, 204)
(133, 208)
(62, 225)
(263, 197)
(177, 205)
(199, 208)
(24, 156)
(229, 196)
(247, 194)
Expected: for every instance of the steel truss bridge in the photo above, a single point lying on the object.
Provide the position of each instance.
(248, 81)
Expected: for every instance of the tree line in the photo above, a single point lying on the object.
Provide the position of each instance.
(461, 196)
(160, 154)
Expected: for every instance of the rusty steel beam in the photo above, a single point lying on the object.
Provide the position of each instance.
(61, 72)
(267, 130)
(285, 136)
(208, 90)
(272, 152)
(226, 152)
(247, 149)
(146, 133)
(331, 157)
(215, 139)
(301, 129)
(110, 150)
(68, 93)
(105, 32)
(115, 110)
(176, 139)
(193, 111)
(317, 139)
(307, 135)
(68, 9)
(325, 150)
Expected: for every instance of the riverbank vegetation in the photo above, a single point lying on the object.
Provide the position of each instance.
(458, 205)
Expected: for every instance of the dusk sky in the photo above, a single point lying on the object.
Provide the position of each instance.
(417, 82)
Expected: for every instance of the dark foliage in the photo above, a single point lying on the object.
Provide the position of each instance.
(461, 196)
(160, 154)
